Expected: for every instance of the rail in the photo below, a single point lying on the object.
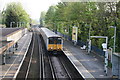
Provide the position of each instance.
(28, 68)
(42, 75)
(65, 69)
(54, 76)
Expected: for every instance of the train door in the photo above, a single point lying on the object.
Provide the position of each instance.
(55, 44)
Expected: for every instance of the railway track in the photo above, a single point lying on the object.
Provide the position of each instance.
(31, 66)
(39, 64)
(24, 67)
(58, 66)
(30, 60)
(61, 69)
(58, 69)
(41, 55)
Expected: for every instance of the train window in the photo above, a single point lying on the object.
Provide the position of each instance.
(51, 41)
(54, 40)
(59, 41)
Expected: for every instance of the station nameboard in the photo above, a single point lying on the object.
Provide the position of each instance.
(74, 34)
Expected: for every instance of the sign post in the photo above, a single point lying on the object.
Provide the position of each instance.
(89, 46)
(74, 34)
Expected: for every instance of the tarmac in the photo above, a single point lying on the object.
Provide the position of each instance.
(12, 64)
(89, 66)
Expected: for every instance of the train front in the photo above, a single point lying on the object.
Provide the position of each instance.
(55, 44)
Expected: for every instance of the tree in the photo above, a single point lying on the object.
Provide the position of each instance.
(15, 13)
(50, 14)
(42, 18)
(0, 17)
(98, 16)
(118, 26)
(50, 17)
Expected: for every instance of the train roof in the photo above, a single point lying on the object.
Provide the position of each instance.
(49, 33)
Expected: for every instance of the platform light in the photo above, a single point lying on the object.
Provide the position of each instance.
(114, 37)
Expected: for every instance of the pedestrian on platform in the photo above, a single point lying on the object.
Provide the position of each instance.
(16, 45)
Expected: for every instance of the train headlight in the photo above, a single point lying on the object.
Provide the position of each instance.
(58, 48)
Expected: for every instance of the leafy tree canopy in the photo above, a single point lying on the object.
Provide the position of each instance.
(15, 13)
(93, 16)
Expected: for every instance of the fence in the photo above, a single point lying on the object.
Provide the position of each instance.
(97, 50)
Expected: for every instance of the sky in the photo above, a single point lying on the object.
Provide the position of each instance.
(32, 7)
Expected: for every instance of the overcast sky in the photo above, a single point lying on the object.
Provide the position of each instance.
(33, 7)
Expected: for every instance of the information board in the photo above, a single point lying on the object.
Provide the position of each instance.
(74, 33)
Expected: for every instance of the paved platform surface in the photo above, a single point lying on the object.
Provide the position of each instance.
(90, 66)
(12, 64)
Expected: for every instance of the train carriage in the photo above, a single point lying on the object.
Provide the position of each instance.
(53, 42)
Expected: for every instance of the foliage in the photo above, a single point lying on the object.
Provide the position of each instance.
(15, 13)
(99, 16)
(42, 18)
(0, 17)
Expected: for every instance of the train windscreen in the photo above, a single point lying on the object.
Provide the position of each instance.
(59, 41)
(54, 40)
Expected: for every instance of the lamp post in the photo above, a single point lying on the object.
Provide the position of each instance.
(23, 24)
(114, 37)
(17, 24)
(20, 23)
(10, 24)
(89, 41)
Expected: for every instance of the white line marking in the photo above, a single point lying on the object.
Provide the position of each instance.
(22, 60)
(13, 62)
(76, 66)
(30, 58)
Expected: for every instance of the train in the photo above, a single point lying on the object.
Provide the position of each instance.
(53, 42)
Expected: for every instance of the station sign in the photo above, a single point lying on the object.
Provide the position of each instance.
(74, 33)
(104, 45)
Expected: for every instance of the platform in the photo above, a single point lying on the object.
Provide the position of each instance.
(9, 36)
(8, 31)
(89, 66)
(4, 45)
(116, 65)
(12, 64)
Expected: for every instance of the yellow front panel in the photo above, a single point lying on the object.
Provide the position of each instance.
(59, 47)
(54, 47)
